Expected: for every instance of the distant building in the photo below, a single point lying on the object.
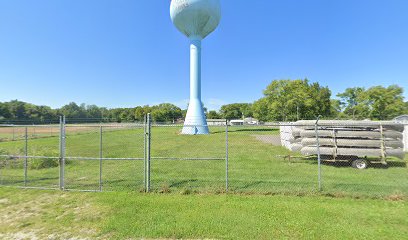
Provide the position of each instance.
(236, 122)
(216, 122)
(246, 121)
(251, 121)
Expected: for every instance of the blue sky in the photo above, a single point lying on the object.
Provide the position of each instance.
(124, 53)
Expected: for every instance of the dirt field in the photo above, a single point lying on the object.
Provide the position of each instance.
(11, 133)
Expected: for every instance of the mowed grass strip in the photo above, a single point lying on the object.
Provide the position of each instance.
(254, 166)
(41, 214)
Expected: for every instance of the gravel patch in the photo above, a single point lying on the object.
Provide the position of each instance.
(270, 139)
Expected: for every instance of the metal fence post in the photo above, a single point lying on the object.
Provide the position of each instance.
(226, 155)
(319, 171)
(62, 153)
(144, 151)
(100, 156)
(25, 155)
(148, 146)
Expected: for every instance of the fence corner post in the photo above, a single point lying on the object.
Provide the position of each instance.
(319, 171)
(25, 155)
(147, 158)
(62, 153)
(100, 156)
(226, 156)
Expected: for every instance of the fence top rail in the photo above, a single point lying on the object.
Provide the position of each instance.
(19, 156)
(30, 126)
(301, 123)
(68, 158)
(133, 125)
(188, 159)
(74, 125)
(99, 158)
(338, 123)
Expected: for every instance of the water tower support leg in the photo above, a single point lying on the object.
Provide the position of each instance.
(195, 122)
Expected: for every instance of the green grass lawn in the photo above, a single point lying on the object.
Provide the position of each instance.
(254, 166)
(26, 214)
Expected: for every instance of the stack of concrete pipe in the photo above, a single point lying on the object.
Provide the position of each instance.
(288, 138)
(338, 138)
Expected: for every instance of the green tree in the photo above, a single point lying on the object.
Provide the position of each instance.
(377, 103)
(140, 112)
(17, 109)
(127, 115)
(261, 111)
(213, 115)
(115, 114)
(4, 111)
(166, 112)
(289, 100)
(353, 103)
(93, 111)
(236, 111)
(385, 103)
(73, 111)
(335, 109)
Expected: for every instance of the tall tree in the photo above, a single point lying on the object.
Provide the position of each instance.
(17, 109)
(93, 111)
(166, 112)
(353, 102)
(72, 110)
(385, 103)
(236, 110)
(4, 111)
(140, 112)
(335, 109)
(289, 100)
(261, 111)
(377, 103)
(213, 115)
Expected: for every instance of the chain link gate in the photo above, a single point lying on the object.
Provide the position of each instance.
(186, 163)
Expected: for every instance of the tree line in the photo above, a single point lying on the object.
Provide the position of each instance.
(15, 111)
(283, 100)
(291, 100)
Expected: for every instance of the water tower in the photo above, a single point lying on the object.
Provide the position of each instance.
(196, 19)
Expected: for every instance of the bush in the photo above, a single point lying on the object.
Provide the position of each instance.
(41, 163)
(2, 159)
(33, 163)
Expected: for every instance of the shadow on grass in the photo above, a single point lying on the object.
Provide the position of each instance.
(399, 164)
(183, 183)
(247, 130)
(6, 179)
(249, 185)
(347, 164)
(36, 179)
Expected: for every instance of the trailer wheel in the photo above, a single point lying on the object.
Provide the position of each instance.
(359, 164)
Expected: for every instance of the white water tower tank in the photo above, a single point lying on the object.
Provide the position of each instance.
(196, 19)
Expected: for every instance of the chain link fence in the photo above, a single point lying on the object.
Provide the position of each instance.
(188, 163)
(357, 157)
(306, 157)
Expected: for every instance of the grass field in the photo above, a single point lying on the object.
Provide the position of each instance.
(29, 214)
(270, 197)
(254, 166)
